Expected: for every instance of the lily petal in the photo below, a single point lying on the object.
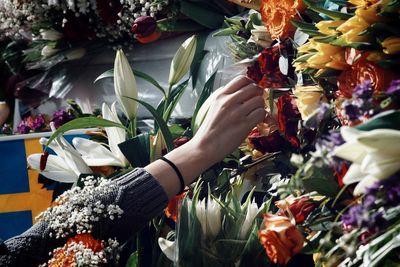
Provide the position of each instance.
(380, 165)
(365, 183)
(55, 168)
(167, 247)
(115, 135)
(95, 154)
(351, 151)
(353, 174)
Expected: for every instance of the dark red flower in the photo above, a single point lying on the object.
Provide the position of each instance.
(268, 61)
(254, 72)
(77, 28)
(300, 208)
(288, 118)
(144, 26)
(263, 143)
(181, 141)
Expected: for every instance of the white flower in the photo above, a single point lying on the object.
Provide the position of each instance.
(94, 153)
(125, 85)
(49, 51)
(66, 167)
(251, 213)
(167, 247)
(50, 35)
(375, 155)
(260, 36)
(182, 60)
(209, 217)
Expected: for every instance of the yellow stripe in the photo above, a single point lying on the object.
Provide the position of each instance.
(38, 199)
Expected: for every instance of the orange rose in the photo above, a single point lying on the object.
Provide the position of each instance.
(362, 70)
(277, 15)
(280, 238)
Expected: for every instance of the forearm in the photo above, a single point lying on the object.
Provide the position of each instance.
(190, 159)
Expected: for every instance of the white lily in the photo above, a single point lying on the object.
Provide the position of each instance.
(168, 248)
(125, 85)
(66, 167)
(182, 60)
(209, 217)
(375, 155)
(260, 36)
(251, 213)
(94, 153)
(49, 51)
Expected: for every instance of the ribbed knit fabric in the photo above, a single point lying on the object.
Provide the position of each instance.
(137, 193)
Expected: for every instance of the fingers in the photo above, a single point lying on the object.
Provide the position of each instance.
(247, 92)
(236, 84)
(252, 104)
(256, 116)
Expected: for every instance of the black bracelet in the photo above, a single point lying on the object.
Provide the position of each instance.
(178, 173)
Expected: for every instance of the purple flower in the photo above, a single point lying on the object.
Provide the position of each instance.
(363, 90)
(394, 88)
(352, 112)
(353, 217)
(23, 128)
(39, 122)
(61, 117)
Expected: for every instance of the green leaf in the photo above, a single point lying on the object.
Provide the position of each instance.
(137, 150)
(304, 25)
(387, 120)
(202, 15)
(179, 25)
(330, 13)
(82, 123)
(160, 122)
(104, 75)
(133, 260)
(176, 95)
(198, 57)
(225, 32)
(379, 28)
(137, 73)
(176, 131)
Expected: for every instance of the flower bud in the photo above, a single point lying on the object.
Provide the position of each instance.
(182, 60)
(49, 51)
(50, 35)
(144, 26)
(125, 85)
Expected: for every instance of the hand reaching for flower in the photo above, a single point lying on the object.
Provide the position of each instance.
(234, 110)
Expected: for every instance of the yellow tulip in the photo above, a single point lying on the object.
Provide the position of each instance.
(391, 45)
(370, 13)
(352, 28)
(327, 54)
(328, 27)
(308, 99)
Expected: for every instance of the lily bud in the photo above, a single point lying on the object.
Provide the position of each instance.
(182, 60)
(144, 26)
(210, 217)
(125, 85)
(260, 36)
(49, 51)
(51, 35)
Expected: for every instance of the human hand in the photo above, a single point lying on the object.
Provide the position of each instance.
(233, 111)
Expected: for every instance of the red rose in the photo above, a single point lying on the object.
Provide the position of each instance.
(265, 143)
(144, 26)
(269, 66)
(300, 207)
(254, 72)
(288, 118)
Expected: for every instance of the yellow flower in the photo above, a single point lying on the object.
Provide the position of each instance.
(369, 13)
(328, 27)
(308, 99)
(328, 56)
(352, 28)
(391, 45)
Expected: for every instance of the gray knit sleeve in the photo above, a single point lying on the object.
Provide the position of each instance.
(137, 193)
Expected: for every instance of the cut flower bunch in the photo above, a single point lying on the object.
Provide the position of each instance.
(315, 184)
